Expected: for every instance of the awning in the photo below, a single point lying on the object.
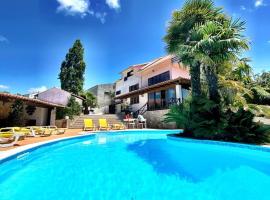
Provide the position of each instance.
(181, 81)
(6, 97)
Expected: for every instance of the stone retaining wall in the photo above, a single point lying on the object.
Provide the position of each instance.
(155, 119)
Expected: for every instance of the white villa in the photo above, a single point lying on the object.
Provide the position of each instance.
(150, 88)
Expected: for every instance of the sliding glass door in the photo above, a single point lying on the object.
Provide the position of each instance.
(161, 99)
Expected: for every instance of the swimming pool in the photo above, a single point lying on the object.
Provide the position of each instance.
(136, 165)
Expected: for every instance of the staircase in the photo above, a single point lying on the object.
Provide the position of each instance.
(78, 122)
(140, 111)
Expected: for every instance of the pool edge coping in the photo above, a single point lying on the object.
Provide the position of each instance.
(9, 154)
(264, 148)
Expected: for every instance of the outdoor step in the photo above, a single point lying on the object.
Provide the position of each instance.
(78, 121)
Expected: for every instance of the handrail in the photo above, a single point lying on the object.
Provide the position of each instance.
(140, 110)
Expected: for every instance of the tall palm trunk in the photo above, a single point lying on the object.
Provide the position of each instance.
(195, 73)
(212, 81)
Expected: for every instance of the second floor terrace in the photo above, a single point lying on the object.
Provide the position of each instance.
(151, 74)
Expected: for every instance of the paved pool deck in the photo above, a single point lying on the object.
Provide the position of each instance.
(32, 140)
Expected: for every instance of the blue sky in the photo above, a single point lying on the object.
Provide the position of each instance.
(35, 35)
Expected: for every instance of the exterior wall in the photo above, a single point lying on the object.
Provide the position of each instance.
(142, 101)
(57, 96)
(123, 86)
(4, 109)
(179, 70)
(103, 94)
(175, 69)
(143, 73)
(155, 71)
(61, 123)
(40, 115)
(53, 117)
(154, 119)
(118, 108)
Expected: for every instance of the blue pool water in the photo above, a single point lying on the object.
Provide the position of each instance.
(136, 165)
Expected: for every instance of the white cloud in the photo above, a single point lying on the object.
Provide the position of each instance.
(101, 16)
(82, 8)
(258, 3)
(114, 4)
(268, 41)
(4, 87)
(74, 7)
(38, 89)
(243, 7)
(3, 39)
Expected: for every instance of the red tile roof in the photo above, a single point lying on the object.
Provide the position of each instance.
(37, 102)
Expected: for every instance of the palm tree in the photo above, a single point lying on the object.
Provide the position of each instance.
(89, 101)
(214, 43)
(179, 34)
(242, 71)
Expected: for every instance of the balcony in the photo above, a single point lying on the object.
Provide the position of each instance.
(163, 104)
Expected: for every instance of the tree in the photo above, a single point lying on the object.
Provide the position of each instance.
(16, 117)
(214, 41)
(72, 108)
(179, 34)
(263, 80)
(220, 40)
(242, 71)
(90, 101)
(73, 69)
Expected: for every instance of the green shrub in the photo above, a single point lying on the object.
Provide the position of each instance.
(72, 108)
(241, 128)
(203, 119)
(260, 110)
(260, 96)
(16, 117)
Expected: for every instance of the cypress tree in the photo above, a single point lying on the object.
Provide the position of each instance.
(72, 69)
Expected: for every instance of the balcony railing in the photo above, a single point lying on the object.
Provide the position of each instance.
(164, 104)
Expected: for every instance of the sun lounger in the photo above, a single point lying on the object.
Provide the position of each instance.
(103, 124)
(89, 125)
(9, 138)
(55, 130)
(120, 126)
(41, 131)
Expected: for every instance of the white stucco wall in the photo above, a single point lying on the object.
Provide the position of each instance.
(57, 96)
(123, 86)
(142, 101)
(40, 115)
(176, 70)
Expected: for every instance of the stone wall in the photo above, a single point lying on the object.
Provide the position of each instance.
(4, 109)
(61, 123)
(155, 119)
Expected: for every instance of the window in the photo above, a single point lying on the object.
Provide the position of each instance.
(134, 87)
(134, 100)
(118, 92)
(159, 78)
(175, 59)
(130, 73)
(125, 78)
(161, 99)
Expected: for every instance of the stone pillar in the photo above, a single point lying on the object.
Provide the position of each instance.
(53, 116)
(178, 92)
